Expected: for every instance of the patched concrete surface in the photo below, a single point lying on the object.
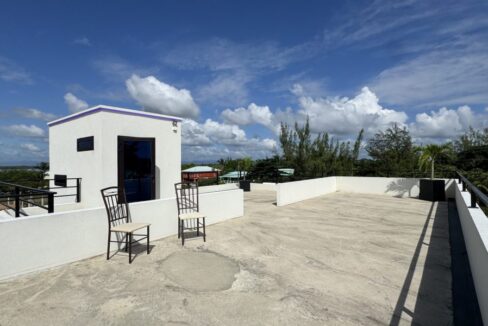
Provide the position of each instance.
(200, 271)
(341, 259)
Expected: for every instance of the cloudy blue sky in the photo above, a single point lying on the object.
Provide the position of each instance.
(236, 69)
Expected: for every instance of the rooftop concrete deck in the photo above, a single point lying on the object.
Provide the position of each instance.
(341, 259)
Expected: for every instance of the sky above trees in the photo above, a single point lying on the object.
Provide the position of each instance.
(237, 69)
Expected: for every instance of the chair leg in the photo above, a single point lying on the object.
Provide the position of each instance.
(198, 227)
(147, 240)
(130, 248)
(179, 227)
(108, 244)
(204, 232)
(126, 242)
(182, 232)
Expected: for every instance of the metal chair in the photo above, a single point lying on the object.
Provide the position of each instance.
(119, 220)
(188, 210)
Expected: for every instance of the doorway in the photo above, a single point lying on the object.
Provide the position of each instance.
(136, 168)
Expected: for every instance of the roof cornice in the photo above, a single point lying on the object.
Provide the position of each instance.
(112, 109)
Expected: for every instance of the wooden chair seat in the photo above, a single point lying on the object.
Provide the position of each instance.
(192, 215)
(129, 227)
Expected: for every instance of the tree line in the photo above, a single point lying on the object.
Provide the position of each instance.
(388, 153)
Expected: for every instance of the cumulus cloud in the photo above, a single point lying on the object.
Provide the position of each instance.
(213, 140)
(224, 133)
(24, 130)
(35, 114)
(344, 116)
(446, 123)
(74, 104)
(336, 115)
(253, 114)
(30, 147)
(211, 132)
(159, 97)
(194, 134)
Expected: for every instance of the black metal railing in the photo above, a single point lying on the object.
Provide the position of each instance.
(477, 196)
(71, 183)
(15, 197)
(28, 193)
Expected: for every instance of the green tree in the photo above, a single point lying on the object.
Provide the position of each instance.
(44, 168)
(319, 156)
(229, 164)
(471, 138)
(27, 177)
(245, 164)
(473, 158)
(430, 153)
(287, 141)
(355, 151)
(393, 151)
(185, 166)
(265, 170)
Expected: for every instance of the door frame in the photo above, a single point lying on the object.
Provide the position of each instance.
(120, 160)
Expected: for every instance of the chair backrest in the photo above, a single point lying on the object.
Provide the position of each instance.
(187, 197)
(116, 205)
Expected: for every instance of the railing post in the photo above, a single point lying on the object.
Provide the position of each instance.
(464, 186)
(473, 199)
(50, 202)
(17, 202)
(78, 190)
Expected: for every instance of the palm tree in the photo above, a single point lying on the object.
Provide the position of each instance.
(430, 153)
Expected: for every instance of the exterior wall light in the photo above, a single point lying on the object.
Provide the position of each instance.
(175, 127)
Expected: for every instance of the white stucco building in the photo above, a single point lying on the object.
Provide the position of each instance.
(109, 146)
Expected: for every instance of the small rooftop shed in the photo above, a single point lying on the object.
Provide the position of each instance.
(108, 146)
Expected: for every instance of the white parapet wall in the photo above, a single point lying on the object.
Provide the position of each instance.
(222, 187)
(39, 242)
(292, 192)
(397, 187)
(263, 186)
(475, 231)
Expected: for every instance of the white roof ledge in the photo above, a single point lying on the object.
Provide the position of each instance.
(112, 109)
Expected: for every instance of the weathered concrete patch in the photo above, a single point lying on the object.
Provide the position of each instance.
(247, 281)
(200, 271)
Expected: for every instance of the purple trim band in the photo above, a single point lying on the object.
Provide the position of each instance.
(137, 114)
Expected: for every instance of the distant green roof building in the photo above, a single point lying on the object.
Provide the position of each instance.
(234, 175)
